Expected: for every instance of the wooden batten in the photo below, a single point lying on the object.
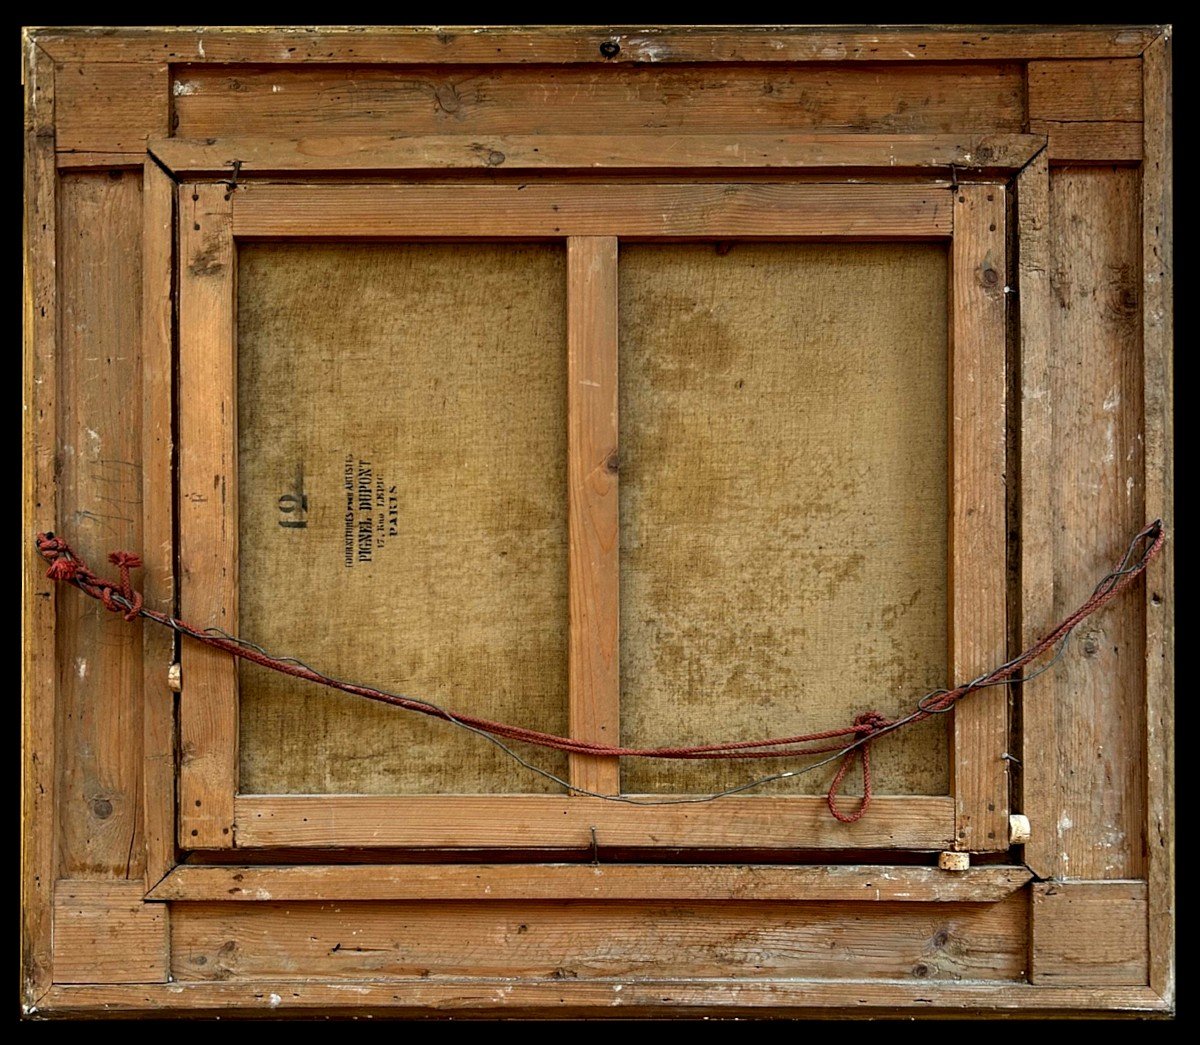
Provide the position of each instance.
(158, 511)
(1090, 934)
(1038, 715)
(105, 933)
(633, 211)
(978, 535)
(485, 822)
(593, 507)
(602, 882)
(586, 940)
(108, 110)
(846, 152)
(207, 515)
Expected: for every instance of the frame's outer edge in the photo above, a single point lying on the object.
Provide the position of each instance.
(1157, 347)
(39, 513)
(580, 998)
(38, 758)
(594, 45)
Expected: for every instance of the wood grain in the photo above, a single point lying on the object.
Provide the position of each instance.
(1101, 90)
(1039, 765)
(593, 507)
(39, 514)
(1098, 503)
(105, 933)
(586, 940)
(559, 45)
(539, 210)
(111, 109)
(208, 515)
(601, 882)
(1158, 407)
(978, 532)
(158, 517)
(303, 102)
(583, 999)
(783, 564)
(897, 153)
(100, 511)
(1089, 934)
(1078, 142)
(437, 373)
(546, 821)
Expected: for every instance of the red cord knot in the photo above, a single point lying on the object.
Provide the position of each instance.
(62, 569)
(866, 726)
(870, 722)
(125, 560)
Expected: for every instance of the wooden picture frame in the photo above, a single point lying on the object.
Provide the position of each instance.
(139, 901)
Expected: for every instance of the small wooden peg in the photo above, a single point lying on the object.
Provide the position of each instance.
(174, 678)
(954, 861)
(1018, 829)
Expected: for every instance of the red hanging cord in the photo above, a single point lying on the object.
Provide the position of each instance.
(854, 740)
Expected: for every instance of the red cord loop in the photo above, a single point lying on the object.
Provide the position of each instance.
(866, 725)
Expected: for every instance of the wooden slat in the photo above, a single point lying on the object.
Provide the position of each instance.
(111, 108)
(313, 101)
(1091, 142)
(552, 822)
(1089, 933)
(101, 161)
(593, 507)
(1157, 354)
(530, 211)
(208, 519)
(1036, 611)
(505, 45)
(158, 541)
(39, 513)
(599, 151)
(100, 665)
(1104, 90)
(717, 998)
(105, 933)
(587, 940)
(978, 540)
(589, 998)
(615, 882)
(1097, 690)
